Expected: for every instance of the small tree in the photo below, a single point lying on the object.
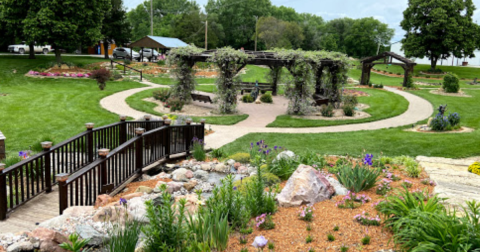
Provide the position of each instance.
(183, 71)
(101, 75)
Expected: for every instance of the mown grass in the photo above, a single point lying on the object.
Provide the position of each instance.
(36, 108)
(383, 104)
(136, 101)
(390, 142)
(462, 72)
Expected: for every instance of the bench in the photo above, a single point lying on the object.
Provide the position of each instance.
(201, 98)
(249, 86)
(319, 100)
(474, 82)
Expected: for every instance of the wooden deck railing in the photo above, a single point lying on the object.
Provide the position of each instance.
(25, 180)
(125, 162)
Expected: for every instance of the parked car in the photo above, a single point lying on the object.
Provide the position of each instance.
(125, 53)
(147, 53)
(24, 48)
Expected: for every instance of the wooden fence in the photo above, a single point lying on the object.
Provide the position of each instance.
(125, 68)
(25, 180)
(125, 163)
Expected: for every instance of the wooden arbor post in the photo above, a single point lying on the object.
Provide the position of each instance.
(318, 80)
(366, 69)
(275, 72)
(334, 93)
(408, 70)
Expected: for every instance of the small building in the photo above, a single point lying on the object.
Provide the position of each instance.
(159, 43)
(451, 61)
(99, 49)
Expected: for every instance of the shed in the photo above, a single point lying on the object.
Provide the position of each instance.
(160, 43)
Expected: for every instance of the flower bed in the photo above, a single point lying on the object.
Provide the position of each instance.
(57, 74)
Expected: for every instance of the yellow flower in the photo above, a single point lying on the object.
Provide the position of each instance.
(474, 168)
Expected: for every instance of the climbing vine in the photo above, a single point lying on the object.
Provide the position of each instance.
(274, 76)
(229, 62)
(180, 59)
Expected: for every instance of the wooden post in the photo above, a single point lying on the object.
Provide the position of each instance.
(62, 190)
(202, 136)
(168, 138)
(90, 147)
(139, 150)
(148, 122)
(3, 193)
(188, 135)
(48, 166)
(141, 76)
(123, 129)
(103, 153)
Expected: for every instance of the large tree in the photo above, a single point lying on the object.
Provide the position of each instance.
(62, 23)
(116, 27)
(280, 34)
(339, 29)
(238, 19)
(366, 37)
(436, 29)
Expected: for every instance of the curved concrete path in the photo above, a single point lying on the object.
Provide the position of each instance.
(418, 109)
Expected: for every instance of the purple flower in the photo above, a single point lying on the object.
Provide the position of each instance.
(234, 188)
(258, 143)
(260, 242)
(275, 147)
(123, 201)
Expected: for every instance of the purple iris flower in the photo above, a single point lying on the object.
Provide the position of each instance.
(260, 242)
(275, 147)
(123, 201)
(368, 159)
(234, 188)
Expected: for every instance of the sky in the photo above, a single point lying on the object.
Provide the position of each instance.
(387, 11)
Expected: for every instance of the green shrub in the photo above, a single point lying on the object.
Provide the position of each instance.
(451, 83)
(247, 98)
(218, 153)
(313, 159)
(101, 75)
(454, 119)
(283, 168)
(399, 73)
(350, 99)
(327, 110)
(240, 157)
(161, 62)
(358, 178)
(401, 160)
(257, 201)
(386, 160)
(269, 178)
(127, 61)
(413, 169)
(349, 110)
(175, 104)
(266, 98)
(117, 76)
(366, 240)
(124, 237)
(76, 244)
(330, 237)
(161, 95)
(166, 227)
(119, 67)
(198, 149)
(378, 86)
(210, 227)
(390, 72)
(428, 76)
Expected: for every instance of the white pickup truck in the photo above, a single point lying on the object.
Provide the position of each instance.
(24, 48)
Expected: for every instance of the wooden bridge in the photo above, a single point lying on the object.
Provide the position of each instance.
(76, 171)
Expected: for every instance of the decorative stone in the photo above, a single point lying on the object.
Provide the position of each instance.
(236, 165)
(242, 170)
(112, 214)
(230, 162)
(77, 211)
(144, 189)
(206, 167)
(305, 186)
(192, 204)
(20, 246)
(284, 154)
(174, 186)
(181, 175)
(221, 168)
(201, 175)
(163, 175)
(196, 167)
(158, 186)
(49, 239)
(190, 184)
(339, 188)
(88, 232)
(430, 119)
(133, 195)
(145, 177)
(55, 222)
(102, 200)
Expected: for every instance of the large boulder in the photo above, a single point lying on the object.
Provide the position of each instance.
(182, 175)
(305, 186)
(49, 239)
(144, 189)
(88, 232)
(221, 168)
(192, 204)
(112, 214)
(174, 186)
(19, 247)
(201, 175)
(206, 167)
(190, 184)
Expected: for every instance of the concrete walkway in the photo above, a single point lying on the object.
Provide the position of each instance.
(262, 114)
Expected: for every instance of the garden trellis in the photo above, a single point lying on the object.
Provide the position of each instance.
(314, 72)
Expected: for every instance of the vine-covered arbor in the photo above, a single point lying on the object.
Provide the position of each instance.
(368, 63)
(319, 72)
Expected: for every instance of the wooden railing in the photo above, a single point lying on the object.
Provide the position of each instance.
(125, 163)
(25, 180)
(125, 68)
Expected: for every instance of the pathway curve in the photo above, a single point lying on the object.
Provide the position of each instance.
(263, 114)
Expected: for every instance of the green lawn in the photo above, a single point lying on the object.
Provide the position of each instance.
(35, 108)
(391, 142)
(462, 72)
(136, 101)
(383, 104)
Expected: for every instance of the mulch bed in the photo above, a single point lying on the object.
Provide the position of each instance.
(354, 92)
(290, 232)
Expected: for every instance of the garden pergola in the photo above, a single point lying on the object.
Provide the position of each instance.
(156, 42)
(369, 62)
(273, 60)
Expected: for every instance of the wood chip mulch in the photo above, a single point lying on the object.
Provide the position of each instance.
(290, 232)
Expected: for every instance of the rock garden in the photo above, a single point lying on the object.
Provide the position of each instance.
(270, 199)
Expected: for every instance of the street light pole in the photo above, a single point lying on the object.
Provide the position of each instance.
(206, 35)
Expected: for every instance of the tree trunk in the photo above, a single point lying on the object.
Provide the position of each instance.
(105, 48)
(31, 54)
(433, 62)
(58, 55)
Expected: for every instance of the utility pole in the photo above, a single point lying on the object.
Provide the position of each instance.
(206, 35)
(151, 17)
(256, 32)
